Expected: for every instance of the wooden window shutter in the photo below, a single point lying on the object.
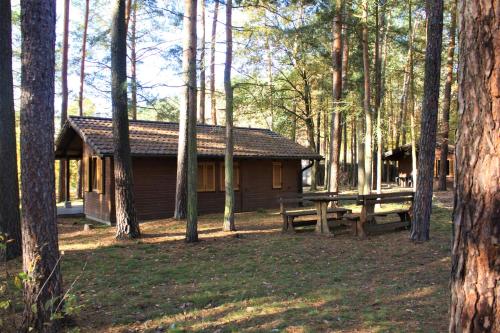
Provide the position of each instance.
(277, 175)
(87, 174)
(210, 177)
(201, 178)
(100, 172)
(222, 177)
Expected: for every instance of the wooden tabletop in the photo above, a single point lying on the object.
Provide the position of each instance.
(328, 198)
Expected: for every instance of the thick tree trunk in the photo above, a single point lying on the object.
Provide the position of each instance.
(213, 101)
(126, 219)
(475, 275)
(228, 161)
(335, 129)
(133, 60)
(201, 115)
(61, 195)
(423, 196)
(84, 53)
(39, 227)
(445, 122)
(368, 153)
(9, 186)
(189, 68)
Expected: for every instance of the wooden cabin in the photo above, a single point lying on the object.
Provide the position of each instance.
(400, 160)
(266, 166)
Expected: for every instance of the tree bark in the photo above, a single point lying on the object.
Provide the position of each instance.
(133, 59)
(411, 103)
(39, 227)
(335, 129)
(378, 98)
(427, 146)
(368, 153)
(126, 219)
(360, 156)
(61, 195)
(475, 275)
(84, 53)
(80, 93)
(445, 121)
(9, 186)
(213, 101)
(202, 65)
(189, 69)
(228, 161)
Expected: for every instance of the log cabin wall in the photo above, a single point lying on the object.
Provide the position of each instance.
(154, 181)
(99, 201)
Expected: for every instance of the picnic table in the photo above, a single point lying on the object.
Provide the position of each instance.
(321, 203)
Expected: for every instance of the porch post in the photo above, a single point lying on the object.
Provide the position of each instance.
(67, 203)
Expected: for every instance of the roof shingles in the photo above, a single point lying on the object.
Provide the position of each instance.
(148, 138)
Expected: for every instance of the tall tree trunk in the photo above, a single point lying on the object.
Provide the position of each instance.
(475, 275)
(378, 95)
(126, 219)
(354, 157)
(133, 59)
(79, 191)
(445, 123)
(43, 288)
(368, 158)
(213, 101)
(361, 180)
(335, 129)
(189, 68)
(82, 61)
(228, 161)
(411, 103)
(202, 65)
(61, 195)
(9, 186)
(423, 196)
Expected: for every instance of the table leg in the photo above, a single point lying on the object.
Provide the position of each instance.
(322, 222)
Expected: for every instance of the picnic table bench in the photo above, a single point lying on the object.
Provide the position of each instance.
(366, 221)
(313, 214)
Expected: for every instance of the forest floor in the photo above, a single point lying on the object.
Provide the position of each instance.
(257, 279)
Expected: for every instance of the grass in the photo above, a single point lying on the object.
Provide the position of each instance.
(257, 280)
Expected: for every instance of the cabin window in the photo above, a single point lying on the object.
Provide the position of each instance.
(206, 177)
(96, 174)
(277, 175)
(236, 176)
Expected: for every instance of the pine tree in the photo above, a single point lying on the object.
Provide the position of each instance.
(423, 197)
(126, 219)
(9, 187)
(475, 273)
(43, 288)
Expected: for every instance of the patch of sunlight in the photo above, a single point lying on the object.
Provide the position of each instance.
(422, 293)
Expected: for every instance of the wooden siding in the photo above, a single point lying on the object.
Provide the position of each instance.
(99, 206)
(154, 182)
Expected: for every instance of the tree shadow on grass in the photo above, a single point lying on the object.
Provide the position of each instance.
(260, 281)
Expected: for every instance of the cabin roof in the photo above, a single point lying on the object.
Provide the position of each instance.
(405, 150)
(154, 138)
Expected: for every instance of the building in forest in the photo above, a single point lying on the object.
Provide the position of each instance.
(399, 165)
(266, 166)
